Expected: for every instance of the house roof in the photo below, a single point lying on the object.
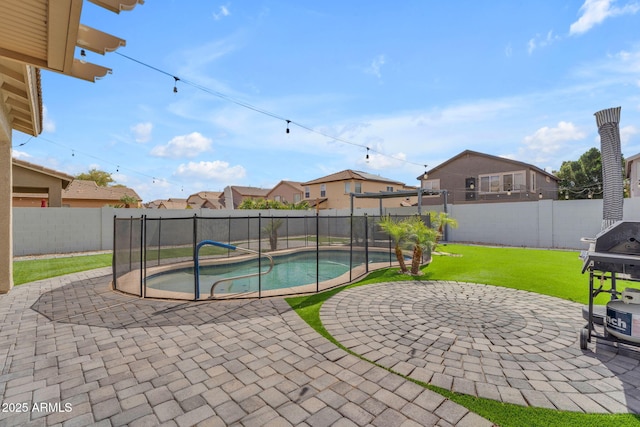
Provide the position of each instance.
(66, 179)
(293, 184)
(89, 190)
(251, 191)
(489, 156)
(349, 174)
(173, 204)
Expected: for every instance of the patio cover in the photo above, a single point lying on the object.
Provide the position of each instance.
(35, 35)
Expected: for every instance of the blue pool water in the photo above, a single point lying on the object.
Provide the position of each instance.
(289, 270)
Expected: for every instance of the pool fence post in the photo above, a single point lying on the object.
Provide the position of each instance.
(366, 243)
(143, 244)
(260, 254)
(159, 240)
(113, 255)
(196, 284)
(229, 235)
(130, 242)
(351, 247)
(142, 256)
(317, 251)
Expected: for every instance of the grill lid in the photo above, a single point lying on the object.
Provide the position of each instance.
(615, 249)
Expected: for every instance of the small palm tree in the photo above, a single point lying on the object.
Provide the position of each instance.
(439, 220)
(272, 230)
(398, 231)
(423, 239)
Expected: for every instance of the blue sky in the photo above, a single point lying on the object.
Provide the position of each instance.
(415, 81)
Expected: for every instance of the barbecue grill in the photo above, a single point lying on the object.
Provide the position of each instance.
(614, 254)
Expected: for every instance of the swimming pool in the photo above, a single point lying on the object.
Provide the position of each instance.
(290, 270)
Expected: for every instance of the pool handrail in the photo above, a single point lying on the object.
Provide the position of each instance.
(226, 279)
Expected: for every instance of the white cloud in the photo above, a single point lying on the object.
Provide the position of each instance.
(216, 170)
(377, 161)
(20, 154)
(222, 12)
(540, 41)
(142, 131)
(596, 11)
(48, 125)
(375, 66)
(190, 145)
(627, 132)
(508, 50)
(547, 142)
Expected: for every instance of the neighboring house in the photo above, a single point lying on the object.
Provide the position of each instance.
(632, 171)
(88, 194)
(37, 186)
(206, 200)
(173, 204)
(153, 204)
(287, 192)
(472, 177)
(82, 194)
(334, 191)
(234, 195)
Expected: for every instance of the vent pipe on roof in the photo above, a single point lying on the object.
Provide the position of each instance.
(608, 127)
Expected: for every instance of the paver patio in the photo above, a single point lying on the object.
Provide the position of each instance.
(101, 358)
(488, 341)
(97, 357)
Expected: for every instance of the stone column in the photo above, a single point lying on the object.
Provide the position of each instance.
(6, 190)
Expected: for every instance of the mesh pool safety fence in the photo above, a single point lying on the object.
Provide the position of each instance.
(158, 257)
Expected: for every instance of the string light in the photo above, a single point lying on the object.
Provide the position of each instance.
(175, 84)
(260, 110)
(367, 157)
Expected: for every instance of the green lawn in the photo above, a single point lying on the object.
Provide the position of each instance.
(37, 269)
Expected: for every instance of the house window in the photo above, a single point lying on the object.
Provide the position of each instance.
(347, 187)
(533, 181)
(277, 199)
(389, 188)
(358, 187)
(431, 184)
(297, 197)
(307, 192)
(323, 190)
(502, 182)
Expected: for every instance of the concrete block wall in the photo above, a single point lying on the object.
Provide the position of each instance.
(542, 223)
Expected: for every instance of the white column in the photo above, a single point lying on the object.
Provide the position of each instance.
(6, 223)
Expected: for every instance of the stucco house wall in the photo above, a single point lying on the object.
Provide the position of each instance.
(461, 176)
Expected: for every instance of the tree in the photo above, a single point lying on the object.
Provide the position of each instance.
(423, 239)
(582, 178)
(271, 204)
(101, 178)
(129, 200)
(272, 230)
(398, 231)
(439, 220)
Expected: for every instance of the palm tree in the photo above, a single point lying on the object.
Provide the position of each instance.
(398, 231)
(272, 230)
(439, 220)
(423, 238)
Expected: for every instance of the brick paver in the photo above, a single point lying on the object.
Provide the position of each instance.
(503, 344)
(109, 359)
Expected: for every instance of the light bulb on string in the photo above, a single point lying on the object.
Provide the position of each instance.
(367, 156)
(288, 121)
(175, 84)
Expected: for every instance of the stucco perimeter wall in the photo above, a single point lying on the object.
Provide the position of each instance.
(63, 230)
(543, 223)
